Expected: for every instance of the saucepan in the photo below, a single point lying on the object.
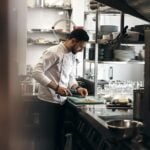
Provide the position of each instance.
(124, 128)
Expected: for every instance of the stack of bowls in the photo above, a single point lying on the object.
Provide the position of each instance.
(125, 53)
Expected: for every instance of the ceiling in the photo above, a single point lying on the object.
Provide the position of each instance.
(137, 8)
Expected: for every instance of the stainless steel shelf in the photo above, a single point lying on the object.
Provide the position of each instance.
(103, 11)
(122, 43)
(47, 31)
(52, 7)
(132, 42)
(42, 44)
(116, 62)
(99, 42)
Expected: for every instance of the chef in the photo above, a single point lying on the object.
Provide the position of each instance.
(55, 73)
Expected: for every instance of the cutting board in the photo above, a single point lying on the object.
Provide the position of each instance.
(85, 100)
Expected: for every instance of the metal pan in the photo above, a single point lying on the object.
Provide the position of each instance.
(124, 128)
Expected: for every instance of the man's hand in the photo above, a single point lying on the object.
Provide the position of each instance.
(82, 91)
(63, 91)
(59, 89)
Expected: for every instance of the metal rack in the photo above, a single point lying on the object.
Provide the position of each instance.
(56, 32)
(98, 12)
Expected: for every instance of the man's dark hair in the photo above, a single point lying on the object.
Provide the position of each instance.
(79, 34)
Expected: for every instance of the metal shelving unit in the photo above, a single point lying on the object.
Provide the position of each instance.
(51, 7)
(46, 31)
(37, 33)
(117, 62)
(97, 12)
(97, 42)
(41, 44)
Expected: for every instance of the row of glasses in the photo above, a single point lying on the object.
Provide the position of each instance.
(123, 89)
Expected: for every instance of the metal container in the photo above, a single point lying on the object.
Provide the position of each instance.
(107, 29)
(138, 96)
(124, 128)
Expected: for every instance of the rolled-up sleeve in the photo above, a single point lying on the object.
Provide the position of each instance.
(45, 62)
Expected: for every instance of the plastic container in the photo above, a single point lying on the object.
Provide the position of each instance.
(133, 36)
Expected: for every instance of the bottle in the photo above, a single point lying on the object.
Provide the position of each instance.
(37, 3)
(42, 3)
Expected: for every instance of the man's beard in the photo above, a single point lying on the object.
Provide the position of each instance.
(73, 51)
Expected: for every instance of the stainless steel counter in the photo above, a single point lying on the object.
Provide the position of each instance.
(90, 123)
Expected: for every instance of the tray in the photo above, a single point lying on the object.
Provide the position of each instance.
(129, 105)
(85, 100)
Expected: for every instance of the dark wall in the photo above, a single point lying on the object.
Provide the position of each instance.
(4, 119)
(9, 100)
(146, 101)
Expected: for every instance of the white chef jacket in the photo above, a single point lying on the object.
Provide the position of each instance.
(58, 65)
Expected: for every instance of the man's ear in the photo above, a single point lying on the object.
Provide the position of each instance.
(74, 40)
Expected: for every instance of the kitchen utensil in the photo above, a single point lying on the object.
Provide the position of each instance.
(69, 92)
(124, 128)
(115, 43)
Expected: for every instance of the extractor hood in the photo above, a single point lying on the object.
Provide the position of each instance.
(137, 8)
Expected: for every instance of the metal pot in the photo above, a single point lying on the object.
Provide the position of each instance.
(124, 128)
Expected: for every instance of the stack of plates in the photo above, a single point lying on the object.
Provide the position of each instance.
(124, 55)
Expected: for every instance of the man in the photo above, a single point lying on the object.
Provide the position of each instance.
(55, 73)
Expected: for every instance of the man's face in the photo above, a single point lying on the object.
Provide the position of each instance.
(77, 46)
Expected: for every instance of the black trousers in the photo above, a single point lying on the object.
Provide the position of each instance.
(51, 136)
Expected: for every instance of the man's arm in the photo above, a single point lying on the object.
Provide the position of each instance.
(45, 62)
(59, 90)
(53, 85)
(74, 86)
